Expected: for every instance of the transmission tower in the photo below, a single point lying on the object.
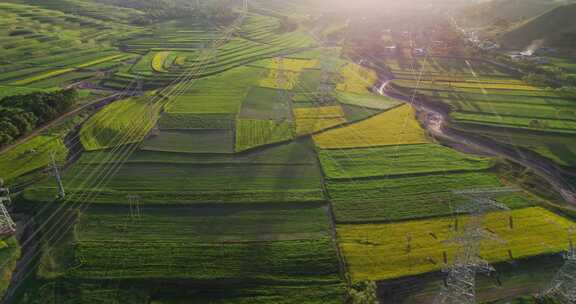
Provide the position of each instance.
(7, 225)
(282, 84)
(325, 88)
(61, 191)
(460, 282)
(563, 285)
(135, 210)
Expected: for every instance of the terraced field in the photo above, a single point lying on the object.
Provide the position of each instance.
(314, 119)
(31, 156)
(34, 55)
(252, 133)
(172, 182)
(393, 127)
(414, 247)
(486, 101)
(205, 243)
(410, 197)
(112, 126)
(248, 164)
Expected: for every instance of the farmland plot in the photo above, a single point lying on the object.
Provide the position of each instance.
(385, 251)
(222, 93)
(203, 243)
(397, 160)
(410, 197)
(191, 141)
(356, 79)
(264, 103)
(252, 133)
(9, 255)
(355, 113)
(394, 127)
(297, 152)
(122, 122)
(313, 119)
(173, 182)
(483, 102)
(367, 101)
(31, 156)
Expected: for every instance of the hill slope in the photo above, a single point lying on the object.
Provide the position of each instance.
(487, 12)
(556, 27)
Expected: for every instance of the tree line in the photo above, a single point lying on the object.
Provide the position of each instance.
(20, 114)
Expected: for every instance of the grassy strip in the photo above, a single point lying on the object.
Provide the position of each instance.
(47, 75)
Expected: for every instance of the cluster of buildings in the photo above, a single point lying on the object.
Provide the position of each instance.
(533, 55)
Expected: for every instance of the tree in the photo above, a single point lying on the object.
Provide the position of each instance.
(363, 293)
(20, 114)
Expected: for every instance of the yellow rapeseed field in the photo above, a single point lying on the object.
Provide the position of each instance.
(43, 76)
(271, 80)
(393, 127)
(158, 61)
(314, 119)
(318, 112)
(386, 251)
(356, 79)
(101, 60)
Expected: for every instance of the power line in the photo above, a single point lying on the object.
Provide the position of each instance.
(61, 191)
(563, 285)
(460, 282)
(7, 225)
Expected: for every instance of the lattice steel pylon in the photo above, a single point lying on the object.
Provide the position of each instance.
(135, 210)
(60, 185)
(325, 88)
(7, 225)
(245, 7)
(460, 282)
(563, 285)
(283, 95)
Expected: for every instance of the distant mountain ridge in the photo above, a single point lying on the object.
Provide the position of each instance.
(556, 27)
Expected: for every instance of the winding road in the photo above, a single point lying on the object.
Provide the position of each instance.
(435, 120)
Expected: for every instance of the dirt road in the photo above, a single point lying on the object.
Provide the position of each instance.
(435, 121)
(96, 104)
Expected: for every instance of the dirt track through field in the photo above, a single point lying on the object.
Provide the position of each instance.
(434, 119)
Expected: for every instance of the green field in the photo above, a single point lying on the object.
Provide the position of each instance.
(217, 94)
(10, 253)
(168, 181)
(223, 156)
(288, 250)
(122, 122)
(191, 141)
(397, 160)
(481, 97)
(251, 133)
(33, 155)
(400, 198)
(290, 245)
(265, 103)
